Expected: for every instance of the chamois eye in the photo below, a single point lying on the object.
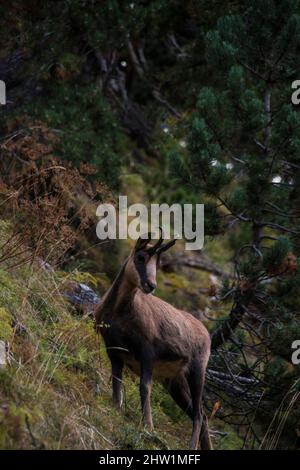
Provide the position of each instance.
(140, 258)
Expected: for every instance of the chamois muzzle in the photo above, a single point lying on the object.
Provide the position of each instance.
(148, 287)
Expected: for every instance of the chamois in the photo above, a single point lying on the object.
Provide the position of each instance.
(155, 339)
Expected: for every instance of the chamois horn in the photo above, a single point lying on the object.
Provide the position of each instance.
(152, 250)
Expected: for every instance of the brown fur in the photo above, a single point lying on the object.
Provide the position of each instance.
(152, 337)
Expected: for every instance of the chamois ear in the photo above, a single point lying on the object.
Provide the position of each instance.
(142, 242)
(166, 246)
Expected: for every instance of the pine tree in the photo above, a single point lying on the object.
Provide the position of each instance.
(244, 157)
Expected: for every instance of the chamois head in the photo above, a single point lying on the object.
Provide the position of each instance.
(142, 263)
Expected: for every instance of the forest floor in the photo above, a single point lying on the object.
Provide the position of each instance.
(55, 388)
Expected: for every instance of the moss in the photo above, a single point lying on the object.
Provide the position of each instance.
(129, 438)
(177, 281)
(5, 380)
(95, 281)
(134, 187)
(6, 330)
(229, 440)
(8, 288)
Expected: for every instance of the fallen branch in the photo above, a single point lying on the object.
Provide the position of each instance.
(197, 263)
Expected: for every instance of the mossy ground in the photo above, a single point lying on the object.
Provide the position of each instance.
(55, 393)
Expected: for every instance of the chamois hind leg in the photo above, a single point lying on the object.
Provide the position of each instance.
(196, 394)
(195, 379)
(180, 392)
(205, 441)
(117, 371)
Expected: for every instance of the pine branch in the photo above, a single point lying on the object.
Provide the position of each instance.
(225, 330)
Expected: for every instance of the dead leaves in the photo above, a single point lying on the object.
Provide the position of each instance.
(217, 406)
(53, 199)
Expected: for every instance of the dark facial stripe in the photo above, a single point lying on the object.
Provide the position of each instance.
(141, 268)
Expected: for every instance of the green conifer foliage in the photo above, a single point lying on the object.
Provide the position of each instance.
(244, 152)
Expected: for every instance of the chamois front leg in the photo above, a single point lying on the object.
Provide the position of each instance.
(117, 371)
(145, 392)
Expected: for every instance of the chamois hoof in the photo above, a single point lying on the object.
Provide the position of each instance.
(193, 446)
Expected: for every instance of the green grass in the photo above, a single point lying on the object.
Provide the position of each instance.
(56, 391)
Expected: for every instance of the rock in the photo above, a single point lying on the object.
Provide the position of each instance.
(82, 297)
(78, 294)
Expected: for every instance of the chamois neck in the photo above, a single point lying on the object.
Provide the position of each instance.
(120, 292)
